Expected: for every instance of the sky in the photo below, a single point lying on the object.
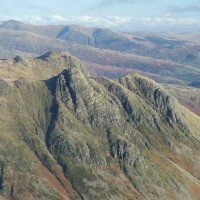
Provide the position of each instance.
(123, 15)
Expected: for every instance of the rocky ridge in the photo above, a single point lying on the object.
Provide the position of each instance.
(69, 135)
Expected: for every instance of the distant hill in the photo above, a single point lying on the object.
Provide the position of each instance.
(181, 48)
(13, 42)
(51, 31)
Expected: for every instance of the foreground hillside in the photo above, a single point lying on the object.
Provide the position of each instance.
(67, 135)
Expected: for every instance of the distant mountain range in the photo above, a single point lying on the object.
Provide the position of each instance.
(165, 57)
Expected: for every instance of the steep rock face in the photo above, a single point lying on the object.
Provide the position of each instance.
(155, 95)
(95, 137)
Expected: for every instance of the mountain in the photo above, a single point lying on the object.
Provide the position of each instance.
(96, 37)
(68, 135)
(181, 48)
(100, 38)
(47, 30)
(14, 42)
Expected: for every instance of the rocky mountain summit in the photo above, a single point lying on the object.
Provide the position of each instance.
(67, 135)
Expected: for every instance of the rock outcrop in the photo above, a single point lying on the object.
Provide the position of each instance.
(67, 135)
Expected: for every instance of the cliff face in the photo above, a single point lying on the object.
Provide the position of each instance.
(67, 135)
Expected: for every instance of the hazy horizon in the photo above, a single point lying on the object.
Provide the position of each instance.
(121, 15)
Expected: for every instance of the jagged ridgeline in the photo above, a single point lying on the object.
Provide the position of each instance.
(67, 135)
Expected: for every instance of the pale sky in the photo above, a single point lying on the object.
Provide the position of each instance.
(124, 15)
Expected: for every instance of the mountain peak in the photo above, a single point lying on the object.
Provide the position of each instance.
(64, 59)
(40, 68)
